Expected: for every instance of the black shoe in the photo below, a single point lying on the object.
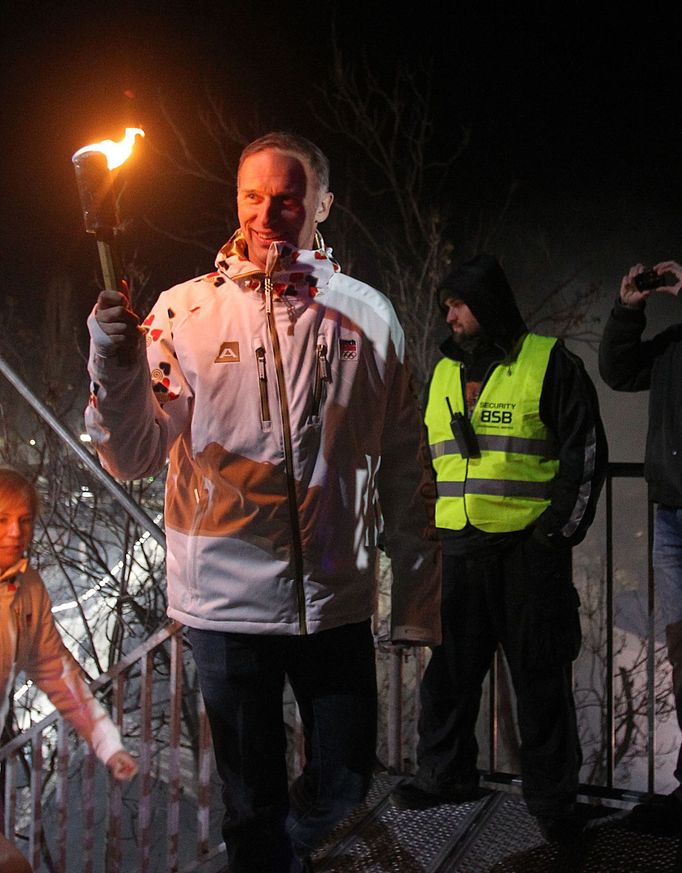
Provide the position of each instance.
(661, 816)
(408, 795)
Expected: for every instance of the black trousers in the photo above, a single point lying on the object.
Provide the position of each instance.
(521, 597)
(266, 826)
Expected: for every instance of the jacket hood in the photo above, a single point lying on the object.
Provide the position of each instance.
(482, 284)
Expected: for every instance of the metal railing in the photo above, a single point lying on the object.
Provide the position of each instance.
(628, 471)
(125, 840)
(607, 785)
(86, 458)
(401, 738)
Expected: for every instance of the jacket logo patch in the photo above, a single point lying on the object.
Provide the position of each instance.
(228, 354)
(349, 349)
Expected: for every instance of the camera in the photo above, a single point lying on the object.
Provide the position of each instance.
(650, 279)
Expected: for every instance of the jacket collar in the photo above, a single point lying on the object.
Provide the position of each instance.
(11, 574)
(293, 272)
(497, 348)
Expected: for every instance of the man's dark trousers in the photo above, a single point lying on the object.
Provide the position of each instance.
(332, 674)
(521, 596)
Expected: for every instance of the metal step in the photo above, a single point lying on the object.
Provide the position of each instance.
(495, 834)
(380, 837)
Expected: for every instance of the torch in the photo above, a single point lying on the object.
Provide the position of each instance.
(96, 167)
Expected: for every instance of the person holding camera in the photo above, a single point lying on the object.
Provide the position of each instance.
(628, 363)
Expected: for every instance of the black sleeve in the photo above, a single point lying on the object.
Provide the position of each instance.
(624, 360)
(570, 409)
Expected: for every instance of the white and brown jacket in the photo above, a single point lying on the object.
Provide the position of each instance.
(284, 405)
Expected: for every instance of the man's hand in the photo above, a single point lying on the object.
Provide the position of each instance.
(118, 321)
(630, 295)
(676, 270)
(122, 766)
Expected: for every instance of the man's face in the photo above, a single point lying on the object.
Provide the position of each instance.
(461, 319)
(278, 200)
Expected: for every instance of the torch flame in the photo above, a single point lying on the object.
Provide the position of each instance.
(116, 153)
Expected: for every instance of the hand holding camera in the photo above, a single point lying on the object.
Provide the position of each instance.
(639, 282)
(673, 274)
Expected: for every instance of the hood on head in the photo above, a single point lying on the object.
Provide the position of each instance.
(482, 285)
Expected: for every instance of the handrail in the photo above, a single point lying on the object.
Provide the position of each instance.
(129, 660)
(93, 803)
(609, 788)
(107, 481)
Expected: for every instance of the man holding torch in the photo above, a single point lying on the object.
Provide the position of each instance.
(278, 389)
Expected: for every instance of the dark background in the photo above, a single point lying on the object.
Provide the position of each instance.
(577, 107)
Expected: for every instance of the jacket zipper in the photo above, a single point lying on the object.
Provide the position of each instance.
(321, 377)
(288, 457)
(263, 386)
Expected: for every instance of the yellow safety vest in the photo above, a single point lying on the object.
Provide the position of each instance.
(507, 487)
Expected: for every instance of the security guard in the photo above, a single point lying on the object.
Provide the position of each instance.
(519, 453)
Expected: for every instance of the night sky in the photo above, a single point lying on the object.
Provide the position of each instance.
(578, 108)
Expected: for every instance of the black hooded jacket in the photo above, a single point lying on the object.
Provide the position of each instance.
(628, 363)
(568, 407)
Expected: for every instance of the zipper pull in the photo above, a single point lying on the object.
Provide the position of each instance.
(263, 386)
(260, 363)
(321, 376)
(268, 295)
(322, 364)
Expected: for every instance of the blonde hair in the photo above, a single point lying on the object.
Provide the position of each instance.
(14, 486)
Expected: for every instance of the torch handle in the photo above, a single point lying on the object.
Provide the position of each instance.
(110, 261)
(112, 275)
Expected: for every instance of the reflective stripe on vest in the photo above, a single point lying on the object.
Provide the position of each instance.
(508, 486)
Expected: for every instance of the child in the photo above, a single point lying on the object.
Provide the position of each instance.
(30, 642)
